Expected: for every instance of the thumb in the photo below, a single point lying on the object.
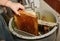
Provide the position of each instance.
(17, 12)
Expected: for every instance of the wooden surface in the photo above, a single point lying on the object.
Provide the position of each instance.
(55, 4)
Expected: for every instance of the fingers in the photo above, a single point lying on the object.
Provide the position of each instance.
(16, 12)
(21, 6)
(16, 6)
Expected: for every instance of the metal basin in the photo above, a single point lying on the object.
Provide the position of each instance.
(49, 16)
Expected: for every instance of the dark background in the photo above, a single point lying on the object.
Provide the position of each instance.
(55, 4)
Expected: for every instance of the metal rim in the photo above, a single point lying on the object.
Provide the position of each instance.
(35, 37)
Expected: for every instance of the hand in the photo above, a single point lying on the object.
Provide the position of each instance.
(3, 2)
(14, 6)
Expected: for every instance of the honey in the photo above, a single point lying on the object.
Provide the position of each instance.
(26, 22)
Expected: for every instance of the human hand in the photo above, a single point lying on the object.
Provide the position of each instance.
(14, 6)
(2, 2)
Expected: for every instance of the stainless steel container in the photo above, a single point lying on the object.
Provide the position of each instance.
(51, 35)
